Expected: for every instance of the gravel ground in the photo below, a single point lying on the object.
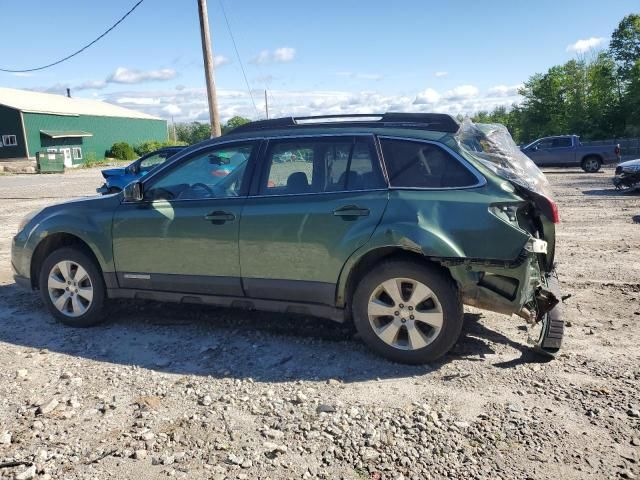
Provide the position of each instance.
(190, 392)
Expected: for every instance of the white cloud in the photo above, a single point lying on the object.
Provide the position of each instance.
(130, 76)
(427, 97)
(263, 57)
(583, 46)
(22, 74)
(284, 54)
(505, 90)
(91, 85)
(441, 74)
(221, 60)
(462, 92)
(172, 109)
(189, 103)
(360, 76)
(139, 101)
(279, 55)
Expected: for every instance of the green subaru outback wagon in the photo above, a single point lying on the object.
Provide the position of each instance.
(391, 221)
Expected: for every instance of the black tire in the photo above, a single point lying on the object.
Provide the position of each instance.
(95, 311)
(440, 284)
(591, 164)
(552, 328)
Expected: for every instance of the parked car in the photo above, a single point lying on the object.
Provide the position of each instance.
(391, 221)
(627, 175)
(567, 151)
(117, 178)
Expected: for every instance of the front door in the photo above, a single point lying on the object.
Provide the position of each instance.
(318, 199)
(68, 162)
(183, 236)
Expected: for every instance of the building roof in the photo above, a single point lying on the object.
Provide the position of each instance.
(38, 102)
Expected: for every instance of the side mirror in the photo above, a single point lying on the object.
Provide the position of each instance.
(133, 192)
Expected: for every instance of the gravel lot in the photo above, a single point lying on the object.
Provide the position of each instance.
(192, 392)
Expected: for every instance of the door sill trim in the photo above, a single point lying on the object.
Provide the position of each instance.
(243, 303)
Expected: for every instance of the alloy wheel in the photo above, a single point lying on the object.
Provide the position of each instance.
(591, 165)
(405, 313)
(70, 288)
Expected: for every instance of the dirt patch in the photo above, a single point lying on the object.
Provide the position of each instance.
(190, 392)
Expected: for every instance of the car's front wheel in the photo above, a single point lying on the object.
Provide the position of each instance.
(72, 287)
(407, 312)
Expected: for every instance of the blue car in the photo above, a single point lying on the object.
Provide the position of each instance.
(117, 178)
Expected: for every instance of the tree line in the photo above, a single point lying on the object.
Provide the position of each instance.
(596, 97)
(195, 132)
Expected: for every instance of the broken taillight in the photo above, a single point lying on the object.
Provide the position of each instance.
(553, 207)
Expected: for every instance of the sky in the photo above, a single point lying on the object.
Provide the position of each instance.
(312, 57)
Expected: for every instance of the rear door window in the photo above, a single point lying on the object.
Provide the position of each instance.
(416, 164)
(317, 165)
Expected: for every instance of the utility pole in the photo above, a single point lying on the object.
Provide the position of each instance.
(208, 69)
(266, 103)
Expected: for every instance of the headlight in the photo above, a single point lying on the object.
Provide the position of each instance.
(27, 218)
(631, 168)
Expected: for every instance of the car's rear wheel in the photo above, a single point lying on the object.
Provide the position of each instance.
(72, 287)
(408, 313)
(591, 164)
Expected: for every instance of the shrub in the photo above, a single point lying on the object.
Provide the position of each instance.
(122, 151)
(153, 145)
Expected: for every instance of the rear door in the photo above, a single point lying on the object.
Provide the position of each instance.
(561, 152)
(316, 201)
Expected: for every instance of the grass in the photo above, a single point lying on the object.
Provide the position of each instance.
(107, 162)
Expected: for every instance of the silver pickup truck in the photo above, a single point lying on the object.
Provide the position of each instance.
(567, 151)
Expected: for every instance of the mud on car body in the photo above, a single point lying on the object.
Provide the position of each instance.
(391, 221)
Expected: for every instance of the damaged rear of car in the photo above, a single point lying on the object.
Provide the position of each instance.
(527, 285)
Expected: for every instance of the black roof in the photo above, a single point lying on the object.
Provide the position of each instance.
(438, 122)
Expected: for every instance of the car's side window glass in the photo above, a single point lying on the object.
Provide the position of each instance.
(153, 160)
(213, 173)
(561, 142)
(545, 143)
(320, 165)
(417, 164)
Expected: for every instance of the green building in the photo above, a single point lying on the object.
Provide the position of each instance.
(79, 128)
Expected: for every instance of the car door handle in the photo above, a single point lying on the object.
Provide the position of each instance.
(351, 211)
(219, 217)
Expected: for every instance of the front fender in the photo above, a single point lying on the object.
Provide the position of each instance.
(88, 219)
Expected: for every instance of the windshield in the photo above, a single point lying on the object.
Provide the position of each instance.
(492, 145)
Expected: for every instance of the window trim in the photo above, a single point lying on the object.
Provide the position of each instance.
(482, 181)
(77, 150)
(7, 143)
(189, 154)
(262, 165)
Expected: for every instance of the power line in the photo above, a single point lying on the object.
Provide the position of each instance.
(76, 52)
(235, 47)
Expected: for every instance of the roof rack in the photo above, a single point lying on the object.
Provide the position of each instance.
(439, 122)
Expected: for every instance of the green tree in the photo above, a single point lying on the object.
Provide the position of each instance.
(234, 122)
(632, 102)
(625, 45)
(193, 132)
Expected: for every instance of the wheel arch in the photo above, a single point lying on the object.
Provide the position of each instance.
(597, 156)
(369, 260)
(54, 242)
